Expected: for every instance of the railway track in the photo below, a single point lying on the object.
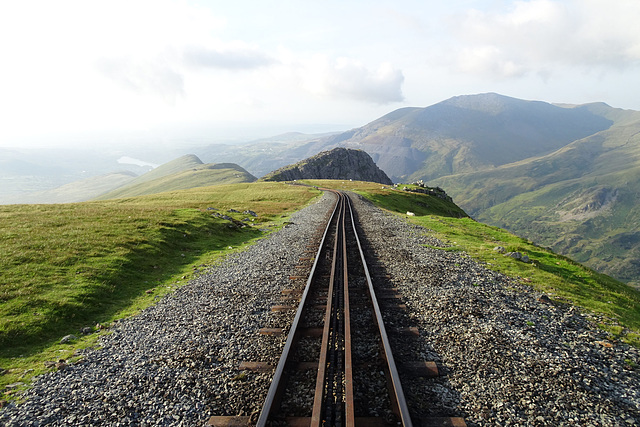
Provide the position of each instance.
(337, 367)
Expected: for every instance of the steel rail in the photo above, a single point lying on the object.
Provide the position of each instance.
(274, 388)
(398, 393)
(331, 335)
(318, 400)
(348, 367)
(336, 337)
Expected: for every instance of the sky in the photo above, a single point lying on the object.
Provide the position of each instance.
(75, 70)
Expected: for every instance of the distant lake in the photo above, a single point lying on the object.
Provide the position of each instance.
(131, 161)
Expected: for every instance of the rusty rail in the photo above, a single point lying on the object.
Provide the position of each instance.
(274, 394)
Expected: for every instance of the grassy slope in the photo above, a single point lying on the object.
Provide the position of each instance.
(529, 197)
(563, 279)
(204, 175)
(70, 266)
(181, 174)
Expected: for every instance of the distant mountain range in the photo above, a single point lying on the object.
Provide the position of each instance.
(468, 133)
(77, 191)
(565, 176)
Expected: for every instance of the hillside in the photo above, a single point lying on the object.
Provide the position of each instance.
(181, 174)
(582, 200)
(339, 163)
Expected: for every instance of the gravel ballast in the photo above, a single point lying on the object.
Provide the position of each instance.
(510, 357)
(176, 363)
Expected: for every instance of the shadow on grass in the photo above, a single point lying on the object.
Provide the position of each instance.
(111, 290)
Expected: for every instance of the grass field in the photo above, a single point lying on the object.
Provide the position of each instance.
(69, 266)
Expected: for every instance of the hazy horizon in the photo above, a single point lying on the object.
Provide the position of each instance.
(180, 69)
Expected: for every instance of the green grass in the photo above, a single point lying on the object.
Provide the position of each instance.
(568, 281)
(545, 199)
(396, 201)
(195, 176)
(69, 266)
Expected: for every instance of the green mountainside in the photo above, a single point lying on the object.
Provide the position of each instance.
(582, 200)
(468, 133)
(180, 174)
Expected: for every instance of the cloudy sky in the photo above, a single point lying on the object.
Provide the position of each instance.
(240, 68)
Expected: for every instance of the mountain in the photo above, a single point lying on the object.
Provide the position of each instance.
(180, 174)
(565, 176)
(582, 200)
(267, 154)
(468, 133)
(339, 163)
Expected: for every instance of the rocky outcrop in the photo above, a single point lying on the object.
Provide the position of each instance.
(339, 163)
(590, 203)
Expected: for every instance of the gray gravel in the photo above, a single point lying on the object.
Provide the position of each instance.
(510, 359)
(176, 363)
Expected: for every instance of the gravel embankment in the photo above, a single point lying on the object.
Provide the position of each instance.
(510, 358)
(176, 363)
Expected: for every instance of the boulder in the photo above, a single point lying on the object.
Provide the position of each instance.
(68, 338)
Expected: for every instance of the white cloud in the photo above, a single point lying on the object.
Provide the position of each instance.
(535, 36)
(348, 78)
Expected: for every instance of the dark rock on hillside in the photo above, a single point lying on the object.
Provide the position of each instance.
(339, 163)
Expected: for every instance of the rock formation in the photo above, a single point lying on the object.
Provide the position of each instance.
(339, 163)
